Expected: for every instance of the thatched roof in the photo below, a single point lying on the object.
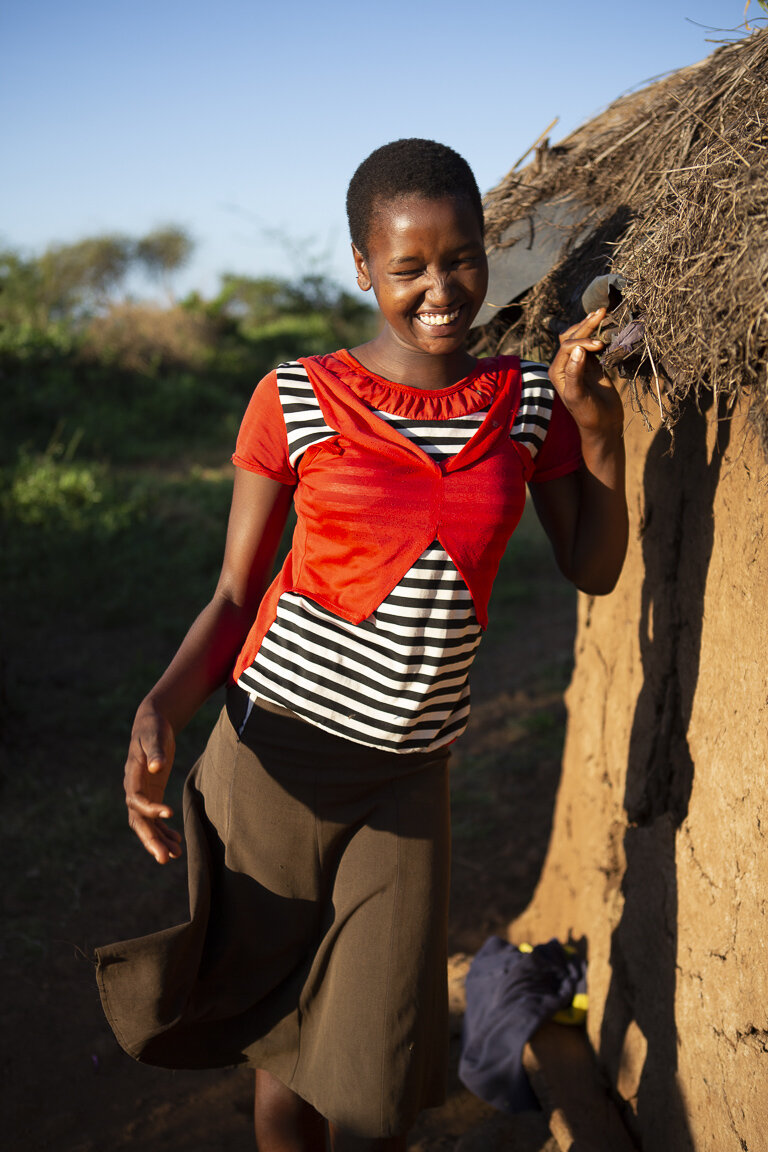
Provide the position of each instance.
(669, 187)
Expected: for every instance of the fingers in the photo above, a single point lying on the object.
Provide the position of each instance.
(160, 841)
(147, 818)
(573, 371)
(150, 757)
(580, 335)
(147, 814)
(588, 343)
(145, 806)
(582, 374)
(585, 327)
(577, 336)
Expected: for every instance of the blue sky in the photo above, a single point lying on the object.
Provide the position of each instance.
(243, 120)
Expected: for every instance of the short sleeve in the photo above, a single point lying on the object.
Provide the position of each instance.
(561, 451)
(262, 442)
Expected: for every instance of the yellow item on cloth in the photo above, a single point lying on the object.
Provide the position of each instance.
(577, 1012)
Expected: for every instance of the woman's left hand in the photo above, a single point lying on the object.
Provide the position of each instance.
(581, 381)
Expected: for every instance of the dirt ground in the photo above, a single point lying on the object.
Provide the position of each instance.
(66, 1084)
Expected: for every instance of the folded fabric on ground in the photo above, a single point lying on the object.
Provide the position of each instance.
(510, 993)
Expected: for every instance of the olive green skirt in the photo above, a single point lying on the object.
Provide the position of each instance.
(316, 943)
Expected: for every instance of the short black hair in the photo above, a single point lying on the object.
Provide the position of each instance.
(410, 167)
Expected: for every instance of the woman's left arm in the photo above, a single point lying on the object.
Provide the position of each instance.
(585, 513)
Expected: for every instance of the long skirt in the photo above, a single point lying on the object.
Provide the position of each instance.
(316, 943)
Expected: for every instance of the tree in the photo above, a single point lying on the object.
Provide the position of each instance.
(163, 251)
(253, 300)
(71, 281)
(76, 277)
(258, 301)
(20, 291)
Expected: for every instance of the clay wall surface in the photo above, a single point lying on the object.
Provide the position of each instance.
(659, 849)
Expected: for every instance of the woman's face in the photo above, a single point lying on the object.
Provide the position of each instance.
(426, 264)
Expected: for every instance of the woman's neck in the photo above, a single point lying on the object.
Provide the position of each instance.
(414, 368)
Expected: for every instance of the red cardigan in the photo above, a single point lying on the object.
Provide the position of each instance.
(369, 502)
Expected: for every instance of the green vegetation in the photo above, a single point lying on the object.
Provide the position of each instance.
(119, 419)
(70, 280)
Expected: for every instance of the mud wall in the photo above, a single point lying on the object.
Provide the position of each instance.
(659, 848)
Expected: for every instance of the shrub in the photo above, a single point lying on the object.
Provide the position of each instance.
(147, 338)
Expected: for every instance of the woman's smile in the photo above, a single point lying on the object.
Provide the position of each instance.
(438, 319)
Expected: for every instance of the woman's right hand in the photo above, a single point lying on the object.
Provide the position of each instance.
(149, 763)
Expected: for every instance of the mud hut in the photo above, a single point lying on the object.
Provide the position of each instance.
(658, 857)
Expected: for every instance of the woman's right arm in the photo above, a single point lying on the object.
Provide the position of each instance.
(206, 656)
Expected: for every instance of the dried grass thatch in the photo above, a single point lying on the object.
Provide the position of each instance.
(676, 176)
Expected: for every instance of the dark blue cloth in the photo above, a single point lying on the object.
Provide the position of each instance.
(509, 994)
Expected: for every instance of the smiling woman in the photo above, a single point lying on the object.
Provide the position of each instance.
(316, 820)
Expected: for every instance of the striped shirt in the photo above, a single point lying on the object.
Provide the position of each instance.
(399, 680)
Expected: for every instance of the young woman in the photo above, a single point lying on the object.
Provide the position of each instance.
(316, 821)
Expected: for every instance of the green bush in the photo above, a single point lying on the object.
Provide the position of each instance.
(48, 493)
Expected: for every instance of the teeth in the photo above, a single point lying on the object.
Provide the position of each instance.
(435, 319)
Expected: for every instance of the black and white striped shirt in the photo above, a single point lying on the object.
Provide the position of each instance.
(399, 680)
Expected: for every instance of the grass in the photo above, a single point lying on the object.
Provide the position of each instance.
(94, 609)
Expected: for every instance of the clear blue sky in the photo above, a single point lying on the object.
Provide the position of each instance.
(238, 118)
